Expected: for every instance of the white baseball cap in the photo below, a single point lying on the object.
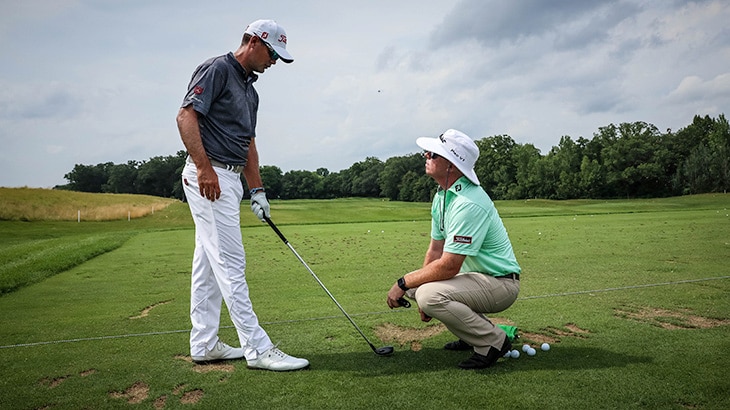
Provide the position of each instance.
(273, 34)
(457, 148)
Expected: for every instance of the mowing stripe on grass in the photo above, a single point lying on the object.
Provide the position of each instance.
(582, 292)
(648, 285)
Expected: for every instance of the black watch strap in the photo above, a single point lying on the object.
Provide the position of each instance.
(402, 284)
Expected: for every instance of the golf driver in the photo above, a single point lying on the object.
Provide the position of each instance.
(380, 351)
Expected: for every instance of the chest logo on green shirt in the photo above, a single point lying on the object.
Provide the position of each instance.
(462, 239)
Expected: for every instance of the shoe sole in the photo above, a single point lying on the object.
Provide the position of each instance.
(213, 361)
(505, 348)
(276, 370)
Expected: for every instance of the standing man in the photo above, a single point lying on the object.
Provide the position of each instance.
(217, 124)
(470, 268)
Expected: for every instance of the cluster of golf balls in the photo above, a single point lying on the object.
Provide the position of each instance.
(531, 351)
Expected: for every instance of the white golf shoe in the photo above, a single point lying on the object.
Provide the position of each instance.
(276, 360)
(221, 351)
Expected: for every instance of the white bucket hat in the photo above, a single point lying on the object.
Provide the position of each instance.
(457, 148)
(273, 34)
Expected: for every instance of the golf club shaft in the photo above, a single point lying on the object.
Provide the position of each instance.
(283, 239)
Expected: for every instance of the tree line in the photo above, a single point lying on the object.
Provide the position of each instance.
(629, 160)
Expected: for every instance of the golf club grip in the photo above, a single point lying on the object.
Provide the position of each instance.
(278, 232)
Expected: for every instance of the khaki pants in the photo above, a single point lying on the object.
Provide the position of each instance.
(461, 302)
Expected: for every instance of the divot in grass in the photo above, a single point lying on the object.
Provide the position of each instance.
(160, 402)
(207, 368)
(414, 337)
(134, 394)
(146, 311)
(139, 392)
(669, 319)
(52, 382)
(191, 397)
(389, 332)
(187, 397)
(552, 334)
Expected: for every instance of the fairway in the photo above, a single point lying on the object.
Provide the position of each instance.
(632, 296)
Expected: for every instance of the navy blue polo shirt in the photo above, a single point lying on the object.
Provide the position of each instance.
(222, 94)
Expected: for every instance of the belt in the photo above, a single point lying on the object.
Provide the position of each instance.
(515, 276)
(235, 168)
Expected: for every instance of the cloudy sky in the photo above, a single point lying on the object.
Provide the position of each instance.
(96, 81)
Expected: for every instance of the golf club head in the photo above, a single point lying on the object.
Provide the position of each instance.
(384, 351)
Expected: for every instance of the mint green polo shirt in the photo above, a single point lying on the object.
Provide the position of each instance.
(472, 227)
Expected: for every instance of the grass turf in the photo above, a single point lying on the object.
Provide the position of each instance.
(633, 296)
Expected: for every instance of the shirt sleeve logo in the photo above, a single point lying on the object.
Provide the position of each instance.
(462, 239)
(198, 90)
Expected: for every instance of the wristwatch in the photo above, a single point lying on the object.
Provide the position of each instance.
(402, 283)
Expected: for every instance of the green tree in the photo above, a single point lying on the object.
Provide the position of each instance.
(695, 178)
(592, 178)
(566, 160)
(88, 178)
(300, 185)
(333, 186)
(632, 169)
(525, 157)
(719, 145)
(416, 187)
(273, 180)
(160, 176)
(392, 179)
(122, 178)
(495, 166)
(363, 178)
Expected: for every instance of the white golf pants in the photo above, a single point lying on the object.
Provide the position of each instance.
(219, 267)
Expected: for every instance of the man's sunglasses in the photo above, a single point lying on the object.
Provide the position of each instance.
(431, 155)
(272, 53)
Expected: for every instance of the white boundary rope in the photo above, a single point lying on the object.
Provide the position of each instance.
(582, 292)
(649, 285)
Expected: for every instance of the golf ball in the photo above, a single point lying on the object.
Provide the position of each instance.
(515, 354)
(531, 352)
(525, 348)
(545, 347)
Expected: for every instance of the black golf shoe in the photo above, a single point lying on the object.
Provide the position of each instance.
(480, 361)
(459, 345)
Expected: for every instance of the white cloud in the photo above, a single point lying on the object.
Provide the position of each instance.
(93, 81)
(694, 88)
